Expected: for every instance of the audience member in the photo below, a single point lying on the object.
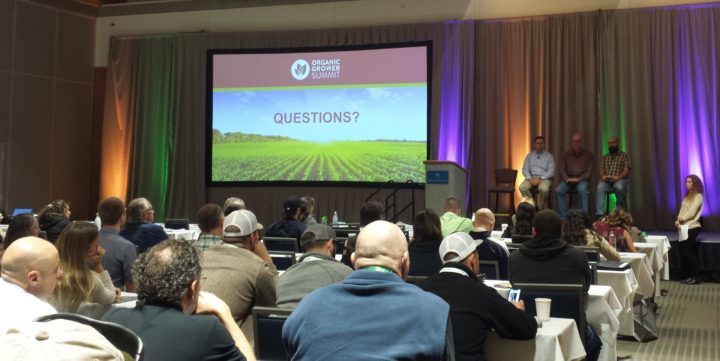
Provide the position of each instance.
(139, 228)
(452, 220)
(538, 170)
(424, 247)
(306, 211)
(576, 168)
(233, 204)
(373, 313)
(78, 246)
(22, 225)
(549, 259)
(210, 222)
(521, 230)
(370, 211)
(577, 230)
(53, 218)
(172, 314)
(690, 215)
(240, 270)
(289, 226)
(315, 269)
(119, 252)
(30, 271)
(614, 176)
(475, 309)
(615, 227)
(489, 249)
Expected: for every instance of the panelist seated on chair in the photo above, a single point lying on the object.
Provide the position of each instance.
(614, 176)
(475, 308)
(576, 168)
(489, 249)
(538, 170)
(316, 268)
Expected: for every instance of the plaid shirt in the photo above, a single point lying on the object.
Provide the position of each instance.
(206, 241)
(614, 164)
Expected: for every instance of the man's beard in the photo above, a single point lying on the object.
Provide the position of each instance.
(613, 150)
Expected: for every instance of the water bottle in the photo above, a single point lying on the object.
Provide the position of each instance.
(335, 218)
(612, 240)
(98, 222)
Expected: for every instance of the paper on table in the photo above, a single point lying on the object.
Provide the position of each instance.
(683, 232)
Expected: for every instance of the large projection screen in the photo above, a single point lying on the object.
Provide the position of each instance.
(351, 116)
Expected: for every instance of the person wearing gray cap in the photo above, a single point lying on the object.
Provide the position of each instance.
(474, 307)
(240, 270)
(315, 269)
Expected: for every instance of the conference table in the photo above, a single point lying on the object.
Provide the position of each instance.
(663, 250)
(625, 287)
(602, 312)
(557, 340)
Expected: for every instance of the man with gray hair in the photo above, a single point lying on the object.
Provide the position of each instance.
(30, 272)
(397, 320)
(172, 316)
(233, 204)
(315, 269)
(139, 228)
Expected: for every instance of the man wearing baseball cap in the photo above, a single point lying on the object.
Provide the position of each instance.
(315, 269)
(240, 271)
(474, 307)
(289, 226)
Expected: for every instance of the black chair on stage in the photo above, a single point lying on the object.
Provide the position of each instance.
(504, 184)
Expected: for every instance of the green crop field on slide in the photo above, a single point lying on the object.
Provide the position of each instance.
(290, 160)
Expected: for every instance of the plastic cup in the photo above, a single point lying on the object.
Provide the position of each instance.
(503, 227)
(542, 308)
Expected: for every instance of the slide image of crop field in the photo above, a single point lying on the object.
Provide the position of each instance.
(293, 160)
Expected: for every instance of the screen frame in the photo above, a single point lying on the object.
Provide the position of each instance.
(209, 113)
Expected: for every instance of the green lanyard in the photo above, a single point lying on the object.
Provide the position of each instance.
(378, 269)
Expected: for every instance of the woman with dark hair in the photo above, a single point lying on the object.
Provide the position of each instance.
(425, 246)
(689, 214)
(577, 230)
(53, 218)
(84, 277)
(615, 227)
(521, 230)
(22, 225)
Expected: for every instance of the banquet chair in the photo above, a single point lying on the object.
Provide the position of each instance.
(267, 327)
(568, 301)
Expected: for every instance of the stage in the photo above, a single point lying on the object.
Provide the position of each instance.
(709, 254)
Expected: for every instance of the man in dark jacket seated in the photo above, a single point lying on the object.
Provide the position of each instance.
(139, 228)
(548, 259)
(289, 226)
(475, 309)
(489, 250)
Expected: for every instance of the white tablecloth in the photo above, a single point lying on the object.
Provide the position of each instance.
(602, 313)
(656, 262)
(663, 249)
(557, 340)
(642, 268)
(624, 285)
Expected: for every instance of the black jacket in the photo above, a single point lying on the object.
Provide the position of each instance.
(424, 258)
(549, 260)
(491, 251)
(475, 309)
(53, 225)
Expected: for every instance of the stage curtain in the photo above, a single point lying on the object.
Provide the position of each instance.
(534, 76)
(660, 93)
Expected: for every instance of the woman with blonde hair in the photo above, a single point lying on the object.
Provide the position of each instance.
(690, 212)
(84, 277)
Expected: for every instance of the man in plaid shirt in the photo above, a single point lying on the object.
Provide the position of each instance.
(614, 176)
(210, 221)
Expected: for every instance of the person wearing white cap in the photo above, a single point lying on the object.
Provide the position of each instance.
(474, 307)
(316, 268)
(240, 270)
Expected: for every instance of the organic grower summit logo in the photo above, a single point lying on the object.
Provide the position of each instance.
(300, 69)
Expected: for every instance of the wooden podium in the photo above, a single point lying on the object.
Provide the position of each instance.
(444, 179)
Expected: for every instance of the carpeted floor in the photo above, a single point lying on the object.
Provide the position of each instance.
(688, 323)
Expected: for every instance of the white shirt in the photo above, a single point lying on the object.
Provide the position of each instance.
(18, 307)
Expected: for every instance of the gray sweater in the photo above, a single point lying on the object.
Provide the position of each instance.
(312, 271)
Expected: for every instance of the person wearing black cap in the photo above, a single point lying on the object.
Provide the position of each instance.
(315, 269)
(548, 259)
(289, 226)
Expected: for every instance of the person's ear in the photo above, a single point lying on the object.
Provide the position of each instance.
(353, 259)
(33, 278)
(534, 232)
(193, 289)
(330, 247)
(404, 265)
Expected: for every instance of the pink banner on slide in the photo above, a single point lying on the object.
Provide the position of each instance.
(376, 66)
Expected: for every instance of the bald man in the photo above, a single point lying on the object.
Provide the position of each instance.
(30, 272)
(489, 249)
(373, 313)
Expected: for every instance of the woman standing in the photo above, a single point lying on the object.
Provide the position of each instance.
(84, 277)
(690, 212)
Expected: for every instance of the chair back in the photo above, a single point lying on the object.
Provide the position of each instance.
(415, 279)
(490, 269)
(512, 247)
(267, 326)
(520, 239)
(118, 335)
(592, 253)
(593, 272)
(339, 244)
(505, 177)
(177, 224)
(281, 244)
(282, 259)
(568, 301)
